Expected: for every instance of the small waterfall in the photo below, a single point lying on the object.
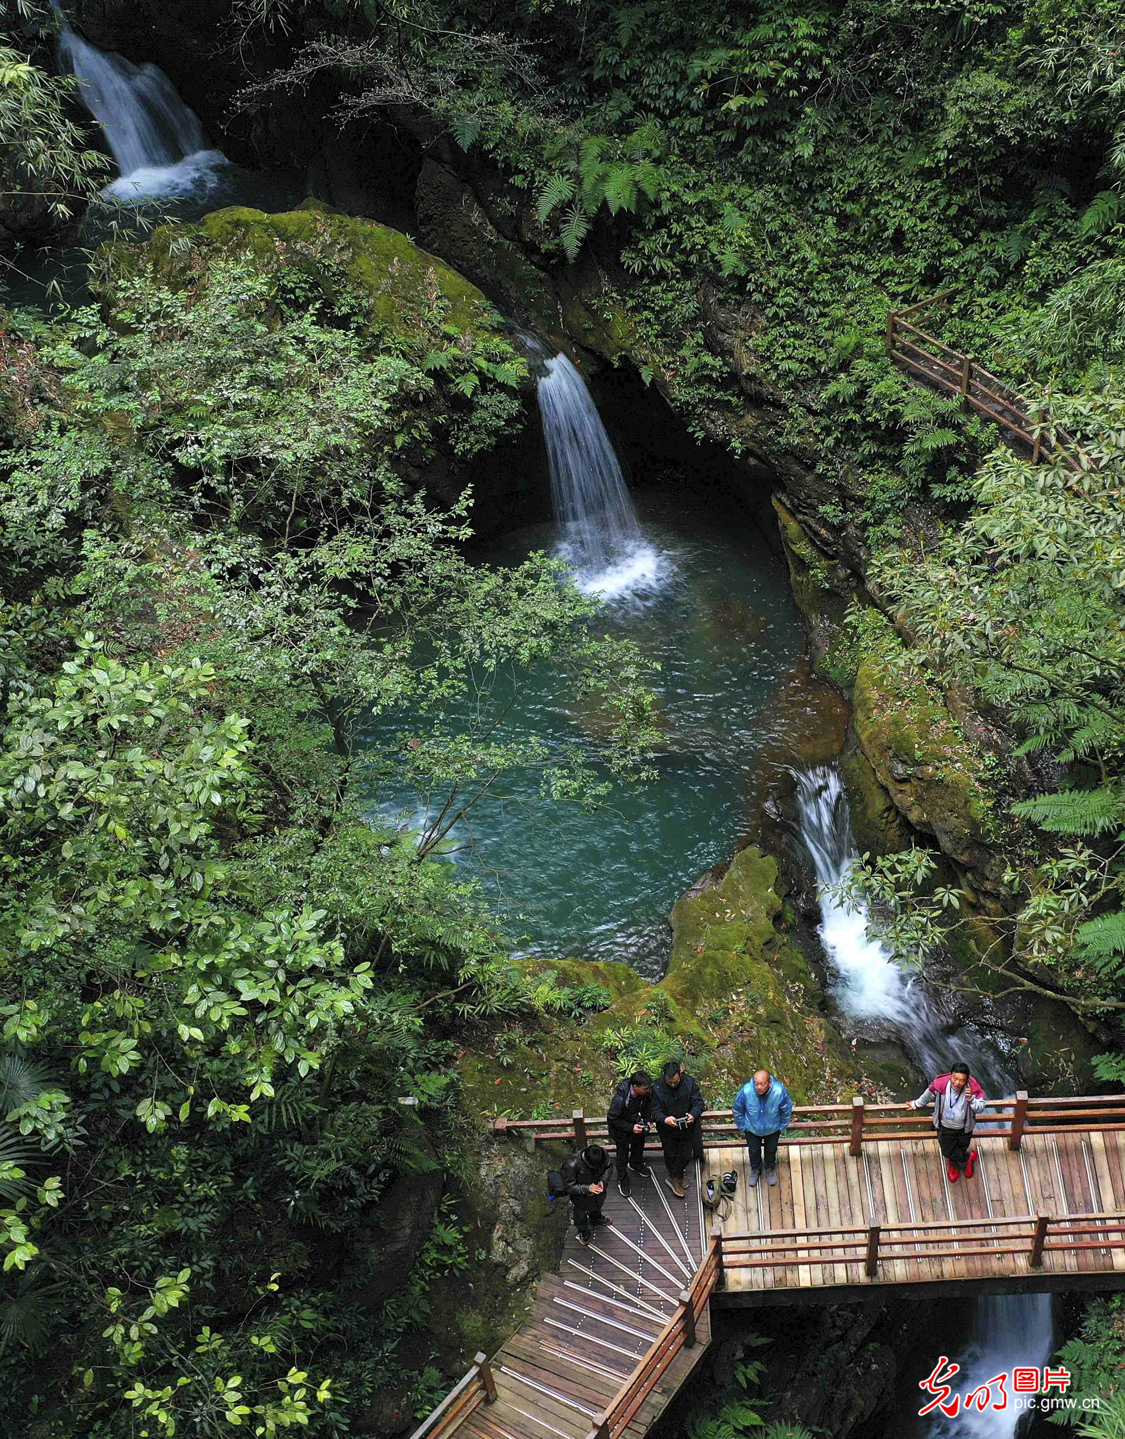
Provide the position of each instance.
(869, 984)
(1006, 1329)
(598, 530)
(157, 141)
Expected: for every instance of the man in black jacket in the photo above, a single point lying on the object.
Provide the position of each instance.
(628, 1117)
(677, 1111)
(584, 1180)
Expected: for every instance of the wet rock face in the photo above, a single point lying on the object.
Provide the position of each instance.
(924, 763)
(405, 1217)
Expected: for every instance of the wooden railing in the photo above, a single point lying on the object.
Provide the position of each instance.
(936, 363)
(856, 1123)
(874, 1244)
(677, 1334)
(476, 1387)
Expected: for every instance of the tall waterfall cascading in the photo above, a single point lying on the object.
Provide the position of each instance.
(157, 141)
(1006, 1329)
(597, 525)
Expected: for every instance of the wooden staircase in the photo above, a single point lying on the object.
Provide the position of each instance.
(611, 1337)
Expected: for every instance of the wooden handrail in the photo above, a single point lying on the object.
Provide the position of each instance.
(1010, 1118)
(477, 1385)
(676, 1334)
(978, 388)
(1030, 1234)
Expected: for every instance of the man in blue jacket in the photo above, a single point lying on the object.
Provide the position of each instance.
(762, 1109)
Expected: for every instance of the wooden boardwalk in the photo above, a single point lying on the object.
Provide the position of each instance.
(607, 1344)
(863, 1204)
(891, 1217)
(929, 360)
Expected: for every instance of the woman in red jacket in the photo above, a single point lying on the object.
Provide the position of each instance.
(957, 1099)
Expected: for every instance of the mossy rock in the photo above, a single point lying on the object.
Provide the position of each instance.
(877, 825)
(922, 759)
(738, 994)
(404, 288)
(823, 590)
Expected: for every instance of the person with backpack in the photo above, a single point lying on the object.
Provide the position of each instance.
(630, 1111)
(583, 1182)
(677, 1111)
(957, 1099)
(762, 1111)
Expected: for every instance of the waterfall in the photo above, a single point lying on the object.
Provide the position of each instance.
(157, 141)
(1006, 1329)
(597, 526)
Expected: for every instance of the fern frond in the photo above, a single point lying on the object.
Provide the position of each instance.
(621, 189)
(590, 161)
(466, 131)
(1100, 214)
(1101, 937)
(1074, 811)
(575, 229)
(557, 191)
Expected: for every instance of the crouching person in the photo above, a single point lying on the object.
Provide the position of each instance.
(584, 1184)
(957, 1099)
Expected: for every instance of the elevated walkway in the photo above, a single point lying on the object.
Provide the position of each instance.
(863, 1204)
(611, 1337)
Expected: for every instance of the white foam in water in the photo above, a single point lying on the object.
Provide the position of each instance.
(1009, 1330)
(869, 983)
(194, 175)
(1006, 1330)
(641, 570)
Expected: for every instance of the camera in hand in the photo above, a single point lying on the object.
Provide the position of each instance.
(684, 1121)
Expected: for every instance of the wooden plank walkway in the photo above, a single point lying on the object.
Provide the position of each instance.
(863, 1203)
(977, 1234)
(592, 1328)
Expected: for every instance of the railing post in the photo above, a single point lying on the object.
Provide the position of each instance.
(487, 1378)
(579, 1118)
(1019, 1119)
(688, 1301)
(892, 316)
(717, 1236)
(871, 1263)
(1036, 1257)
(855, 1149)
(599, 1427)
(1036, 447)
(966, 374)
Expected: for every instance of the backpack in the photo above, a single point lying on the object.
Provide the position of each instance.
(556, 1185)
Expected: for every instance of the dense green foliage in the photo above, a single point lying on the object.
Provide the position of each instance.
(221, 957)
(1026, 597)
(805, 166)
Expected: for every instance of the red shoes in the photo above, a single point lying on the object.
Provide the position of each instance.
(971, 1162)
(953, 1172)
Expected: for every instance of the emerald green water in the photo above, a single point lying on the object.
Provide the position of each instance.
(721, 623)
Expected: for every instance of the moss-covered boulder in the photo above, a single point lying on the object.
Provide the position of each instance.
(920, 755)
(460, 388)
(402, 287)
(823, 589)
(738, 994)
